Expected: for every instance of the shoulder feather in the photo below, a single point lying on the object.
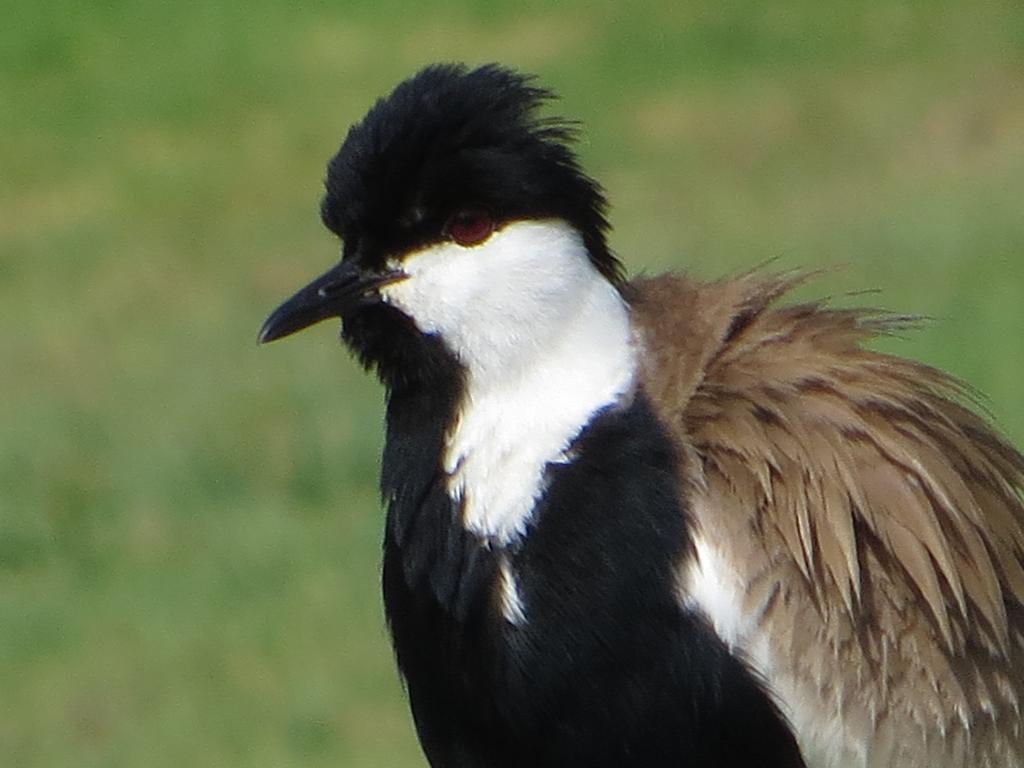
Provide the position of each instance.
(858, 485)
(866, 449)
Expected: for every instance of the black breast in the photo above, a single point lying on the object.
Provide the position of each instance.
(607, 669)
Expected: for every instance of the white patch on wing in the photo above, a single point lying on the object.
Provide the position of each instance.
(545, 341)
(713, 587)
(709, 584)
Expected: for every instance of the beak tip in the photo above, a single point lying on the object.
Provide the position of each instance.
(345, 286)
(273, 329)
(278, 325)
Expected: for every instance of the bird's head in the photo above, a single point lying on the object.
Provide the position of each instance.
(464, 216)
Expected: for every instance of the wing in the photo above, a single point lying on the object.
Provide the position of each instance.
(859, 531)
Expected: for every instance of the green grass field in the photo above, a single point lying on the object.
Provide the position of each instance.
(189, 528)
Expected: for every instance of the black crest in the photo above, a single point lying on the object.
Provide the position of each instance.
(450, 137)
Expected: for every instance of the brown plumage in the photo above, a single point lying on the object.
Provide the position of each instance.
(870, 524)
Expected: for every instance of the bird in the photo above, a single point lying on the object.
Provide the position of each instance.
(655, 521)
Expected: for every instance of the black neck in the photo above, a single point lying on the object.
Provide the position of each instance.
(607, 668)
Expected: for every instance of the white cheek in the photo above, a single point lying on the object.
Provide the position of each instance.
(545, 343)
(506, 295)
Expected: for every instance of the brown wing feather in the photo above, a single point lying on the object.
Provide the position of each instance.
(876, 521)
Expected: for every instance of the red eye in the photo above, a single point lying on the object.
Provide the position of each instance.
(470, 226)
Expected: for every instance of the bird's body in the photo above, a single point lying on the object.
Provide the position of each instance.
(659, 522)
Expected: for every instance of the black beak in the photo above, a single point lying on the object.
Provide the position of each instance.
(335, 293)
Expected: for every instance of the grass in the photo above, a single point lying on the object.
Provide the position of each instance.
(189, 529)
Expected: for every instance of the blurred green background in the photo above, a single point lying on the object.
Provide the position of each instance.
(189, 528)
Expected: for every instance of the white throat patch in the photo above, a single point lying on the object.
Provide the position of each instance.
(546, 342)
